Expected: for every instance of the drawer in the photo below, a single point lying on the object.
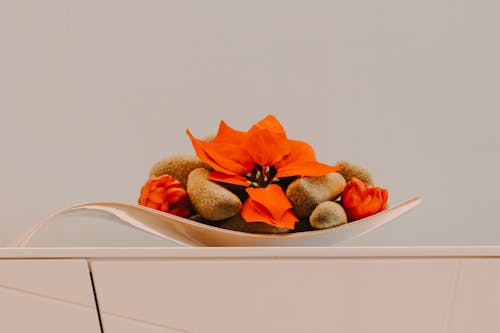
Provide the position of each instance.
(275, 295)
(47, 296)
(477, 297)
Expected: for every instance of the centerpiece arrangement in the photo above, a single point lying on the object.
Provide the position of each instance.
(253, 188)
(260, 181)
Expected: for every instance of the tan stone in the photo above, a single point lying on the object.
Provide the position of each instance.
(211, 200)
(306, 193)
(353, 170)
(178, 166)
(327, 214)
(208, 138)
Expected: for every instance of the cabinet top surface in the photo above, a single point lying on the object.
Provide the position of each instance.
(250, 252)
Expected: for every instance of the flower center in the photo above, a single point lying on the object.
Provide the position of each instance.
(261, 176)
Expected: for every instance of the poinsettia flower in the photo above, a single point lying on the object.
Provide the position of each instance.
(258, 159)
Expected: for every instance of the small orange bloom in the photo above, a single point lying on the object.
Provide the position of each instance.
(258, 159)
(165, 193)
(361, 200)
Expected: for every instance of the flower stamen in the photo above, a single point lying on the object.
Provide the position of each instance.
(261, 176)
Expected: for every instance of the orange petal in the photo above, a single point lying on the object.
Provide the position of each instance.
(266, 141)
(265, 146)
(273, 198)
(153, 205)
(309, 169)
(351, 198)
(227, 158)
(252, 211)
(165, 207)
(143, 198)
(299, 151)
(230, 179)
(270, 123)
(302, 162)
(288, 220)
(157, 197)
(226, 134)
(161, 181)
(175, 194)
(385, 197)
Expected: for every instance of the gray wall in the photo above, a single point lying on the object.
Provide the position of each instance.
(92, 93)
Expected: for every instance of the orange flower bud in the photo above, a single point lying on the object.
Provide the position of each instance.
(165, 193)
(361, 200)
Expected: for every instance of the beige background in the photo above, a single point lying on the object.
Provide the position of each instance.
(93, 92)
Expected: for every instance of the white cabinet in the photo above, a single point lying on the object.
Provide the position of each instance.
(226, 290)
(275, 295)
(46, 296)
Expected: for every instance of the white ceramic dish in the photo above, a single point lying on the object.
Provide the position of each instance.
(192, 233)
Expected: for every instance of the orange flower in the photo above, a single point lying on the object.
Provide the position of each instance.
(258, 159)
(361, 200)
(165, 193)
